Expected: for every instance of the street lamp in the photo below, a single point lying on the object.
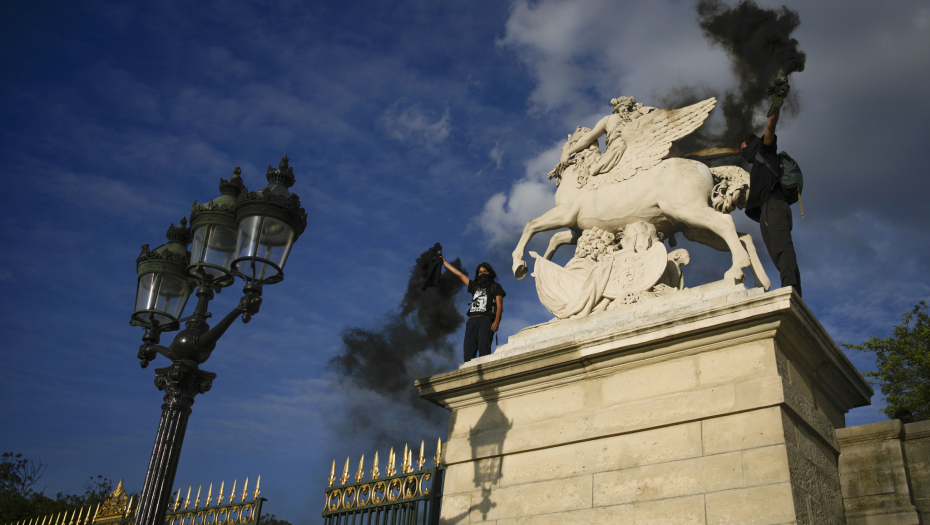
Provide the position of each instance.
(240, 233)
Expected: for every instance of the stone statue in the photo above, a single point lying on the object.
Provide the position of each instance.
(638, 195)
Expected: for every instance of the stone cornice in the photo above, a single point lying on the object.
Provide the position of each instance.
(742, 317)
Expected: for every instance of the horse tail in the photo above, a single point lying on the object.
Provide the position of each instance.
(731, 187)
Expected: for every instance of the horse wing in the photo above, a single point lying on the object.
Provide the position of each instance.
(650, 137)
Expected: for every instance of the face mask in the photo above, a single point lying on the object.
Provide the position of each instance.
(484, 280)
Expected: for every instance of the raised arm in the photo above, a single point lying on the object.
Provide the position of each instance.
(599, 129)
(454, 270)
(769, 136)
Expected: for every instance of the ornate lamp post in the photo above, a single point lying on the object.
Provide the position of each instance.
(240, 233)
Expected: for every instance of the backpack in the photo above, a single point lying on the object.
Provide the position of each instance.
(789, 175)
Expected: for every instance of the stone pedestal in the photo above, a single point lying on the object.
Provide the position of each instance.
(713, 405)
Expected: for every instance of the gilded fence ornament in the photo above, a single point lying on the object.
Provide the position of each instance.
(197, 501)
(374, 468)
(390, 466)
(209, 495)
(177, 501)
(345, 473)
(219, 498)
(422, 459)
(438, 458)
(257, 485)
(361, 472)
(332, 474)
(232, 493)
(113, 508)
(187, 499)
(245, 490)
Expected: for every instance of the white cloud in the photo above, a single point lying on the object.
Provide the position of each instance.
(504, 215)
(497, 155)
(584, 53)
(416, 126)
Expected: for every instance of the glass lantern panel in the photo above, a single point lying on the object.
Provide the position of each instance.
(263, 238)
(148, 288)
(213, 244)
(165, 293)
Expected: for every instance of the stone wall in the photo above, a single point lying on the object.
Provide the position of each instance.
(718, 410)
(885, 473)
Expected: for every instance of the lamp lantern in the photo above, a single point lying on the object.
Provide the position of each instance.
(270, 220)
(163, 282)
(213, 233)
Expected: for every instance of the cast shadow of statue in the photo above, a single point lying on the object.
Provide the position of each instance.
(486, 439)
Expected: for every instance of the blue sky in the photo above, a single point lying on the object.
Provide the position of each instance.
(406, 123)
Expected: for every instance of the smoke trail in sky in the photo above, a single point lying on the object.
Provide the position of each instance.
(759, 44)
(412, 343)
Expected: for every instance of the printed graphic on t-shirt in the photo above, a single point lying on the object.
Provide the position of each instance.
(479, 302)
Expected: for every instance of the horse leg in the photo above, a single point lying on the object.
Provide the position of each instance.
(708, 238)
(758, 272)
(553, 219)
(706, 218)
(560, 238)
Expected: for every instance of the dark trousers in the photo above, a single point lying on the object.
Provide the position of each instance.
(478, 337)
(776, 225)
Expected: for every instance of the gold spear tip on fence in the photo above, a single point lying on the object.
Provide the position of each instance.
(345, 473)
(245, 490)
(258, 484)
(219, 497)
(374, 467)
(438, 457)
(422, 459)
(187, 500)
(209, 496)
(128, 507)
(332, 474)
(232, 493)
(197, 503)
(390, 468)
(361, 472)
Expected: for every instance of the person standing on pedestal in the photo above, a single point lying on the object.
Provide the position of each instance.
(767, 203)
(487, 303)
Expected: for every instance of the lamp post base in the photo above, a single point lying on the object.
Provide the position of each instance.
(181, 382)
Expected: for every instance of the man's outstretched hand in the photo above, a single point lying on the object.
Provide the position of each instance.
(779, 91)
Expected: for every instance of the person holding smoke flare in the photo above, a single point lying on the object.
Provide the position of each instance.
(487, 303)
(768, 203)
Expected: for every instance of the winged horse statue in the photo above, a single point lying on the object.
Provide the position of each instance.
(635, 181)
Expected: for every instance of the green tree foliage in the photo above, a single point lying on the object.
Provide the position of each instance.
(903, 362)
(271, 519)
(18, 501)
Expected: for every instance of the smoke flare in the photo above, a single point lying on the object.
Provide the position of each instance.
(761, 49)
(413, 342)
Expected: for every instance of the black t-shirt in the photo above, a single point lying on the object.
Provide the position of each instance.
(763, 183)
(483, 299)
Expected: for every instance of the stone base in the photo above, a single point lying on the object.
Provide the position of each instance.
(718, 407)
(885, 473)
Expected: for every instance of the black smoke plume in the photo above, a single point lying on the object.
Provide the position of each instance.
(759, 44)
(413, 342)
